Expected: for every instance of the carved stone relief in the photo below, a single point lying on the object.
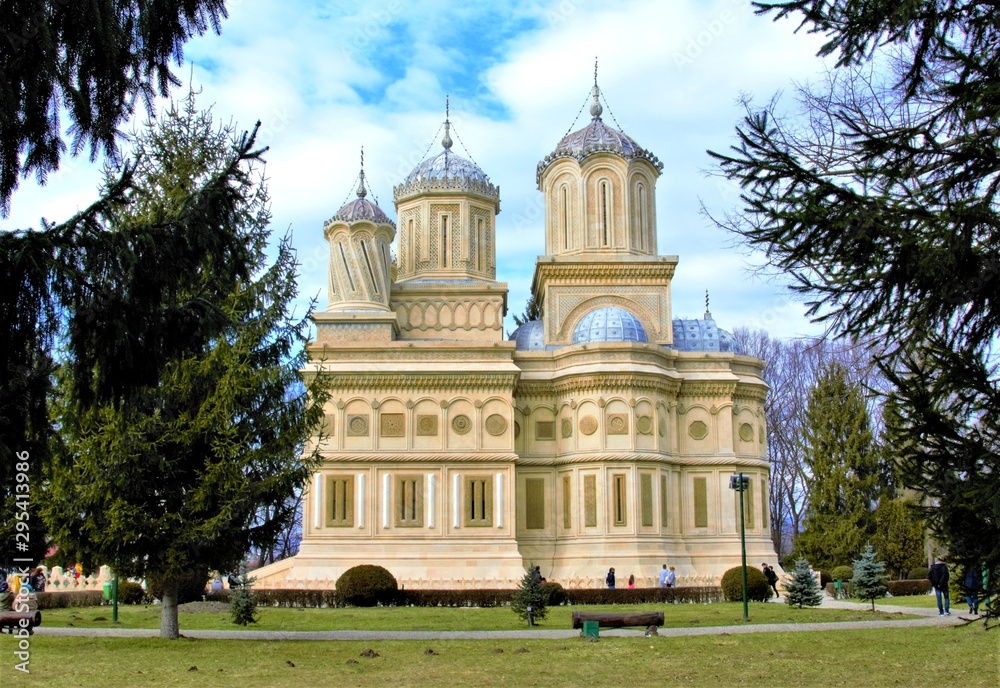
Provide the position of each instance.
(461, 424)
(618, 424)
(496, 424)
(427, 426)
(644, 425)
(392, 425)
(567, 427)
(588, 425)
(357, 426)
(698, 430)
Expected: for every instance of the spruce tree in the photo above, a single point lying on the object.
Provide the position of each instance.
(845, 472)
(178, 477)
(869, 577)
(531, 593)
(802, 588)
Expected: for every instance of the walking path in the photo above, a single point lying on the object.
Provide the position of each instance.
(928, 617)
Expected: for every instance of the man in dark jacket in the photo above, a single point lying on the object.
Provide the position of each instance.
(938, 576)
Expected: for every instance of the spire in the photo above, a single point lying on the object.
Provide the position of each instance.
(446, 141)
(708, 313)
(595, 107)
(362, 192)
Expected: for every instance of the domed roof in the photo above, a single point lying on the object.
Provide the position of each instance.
(446, 171)
(597, 137)
(530, 336)
(609, 324)
(361, 209)
(702, 335)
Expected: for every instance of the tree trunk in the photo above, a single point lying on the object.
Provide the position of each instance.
(169, 628)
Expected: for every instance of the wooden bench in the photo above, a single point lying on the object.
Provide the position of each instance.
(619, 620)
(16, 620)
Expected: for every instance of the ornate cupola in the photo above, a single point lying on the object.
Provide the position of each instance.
(446, 208)
(599, 187)
(360, 236)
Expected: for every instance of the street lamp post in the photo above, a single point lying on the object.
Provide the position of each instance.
(740, 483)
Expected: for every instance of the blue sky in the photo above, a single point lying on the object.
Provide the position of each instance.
(326, 78)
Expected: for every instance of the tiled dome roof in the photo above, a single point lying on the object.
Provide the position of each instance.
(702, 335)
(530, 336)
(609, 324)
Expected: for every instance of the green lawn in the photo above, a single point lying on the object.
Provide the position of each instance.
(936, 656)
(447, 618)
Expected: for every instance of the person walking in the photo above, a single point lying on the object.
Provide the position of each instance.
(772, 578)
(663, 576)
(610, 578)
(973, 586)
(938, 576)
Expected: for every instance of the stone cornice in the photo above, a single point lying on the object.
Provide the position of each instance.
(604, 382)
(747, 393)
(604, 268)
(436, 457)
(605, 457)
(411, 380)
(708, 388)
(420, 352)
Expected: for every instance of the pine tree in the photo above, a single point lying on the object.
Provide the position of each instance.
(802, 588)
(845, 472)
(242, 606)
(869, 577)
(178, 477)
(532, 311)
(530, 593)
(899, 535)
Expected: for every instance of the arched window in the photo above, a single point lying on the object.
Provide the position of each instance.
(564, 193)
(604, 212)
(643, 216)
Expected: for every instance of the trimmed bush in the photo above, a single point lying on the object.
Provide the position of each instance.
(130, 593)
(841, 573)
(555, 594)
(909, 587)
(190, 587)
(367, 585)
(919, 573)
(758, 589)
(62, 600)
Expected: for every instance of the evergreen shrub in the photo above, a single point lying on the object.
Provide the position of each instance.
(841, 573)
(555, 594)
(130, 593)
(367, 585)
(190, 587)
(908, 587)
(62, 600)
(758, 589)
(919, 573)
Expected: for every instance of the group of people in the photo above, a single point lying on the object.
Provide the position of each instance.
(10, 589)
(972, 583)
(668, 578)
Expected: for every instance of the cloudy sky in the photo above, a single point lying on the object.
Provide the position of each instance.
(326, 78)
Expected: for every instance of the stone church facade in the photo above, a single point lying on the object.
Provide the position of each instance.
(602, 434)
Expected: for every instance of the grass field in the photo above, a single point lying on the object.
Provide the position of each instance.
(936, 656)
(447, 618)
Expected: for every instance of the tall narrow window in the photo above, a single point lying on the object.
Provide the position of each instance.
(340, 501)
(444, 241)
(604, 213)
(620, 506)
(409, 501)
(701, 503)
(479, 501)
(480, 244)
(565, 217)
(412, 246)
(567, 506)
(368, 262)
(534, 504)
(643, 217)
(347, 270)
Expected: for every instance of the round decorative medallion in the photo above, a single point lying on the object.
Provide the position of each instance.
(517, 429)
(746, 432)
(645, 425)
(461, 424)
(495, 425)
(663, 428)
(617, 425)
(567, 427)
(588, 425)
(427, 425)
(358, 425)
(698, 430)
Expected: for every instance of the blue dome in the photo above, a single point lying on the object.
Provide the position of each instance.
(530, 336)
(702, 335)
(609, 324)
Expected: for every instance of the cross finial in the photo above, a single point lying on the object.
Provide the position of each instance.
(446, 141)
(708, 313)
(595, 107)
(362, 191)
(595, 70)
